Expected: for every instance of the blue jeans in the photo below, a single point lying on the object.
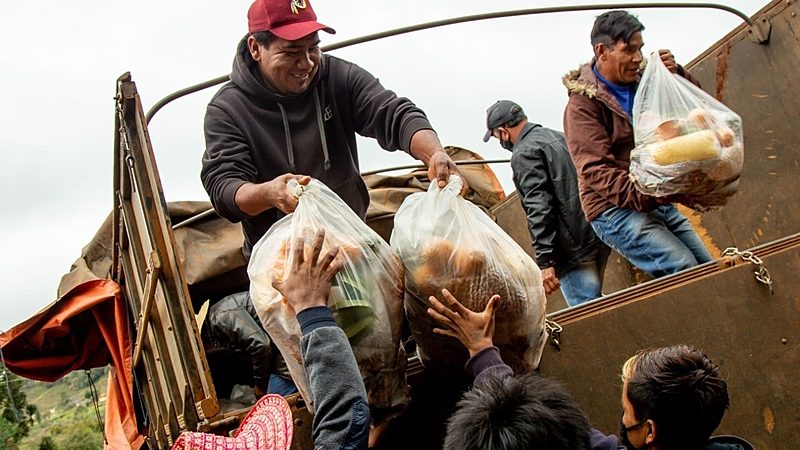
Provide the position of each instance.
(281, 386)
(585, 282)
(659, 243)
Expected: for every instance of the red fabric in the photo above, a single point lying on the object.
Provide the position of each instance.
(84, 329)
(268, 426)
(287, 19)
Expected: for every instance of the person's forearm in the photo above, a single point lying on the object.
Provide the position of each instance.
(487, 363)
(253, 199)
(340, 399)
(689, 77)
(424, 143)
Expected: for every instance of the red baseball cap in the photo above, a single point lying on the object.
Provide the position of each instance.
(287, 19)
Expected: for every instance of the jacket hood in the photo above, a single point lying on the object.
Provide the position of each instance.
(246, 76)
(581, 80)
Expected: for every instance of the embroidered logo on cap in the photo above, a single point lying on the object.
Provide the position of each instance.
(298, 4)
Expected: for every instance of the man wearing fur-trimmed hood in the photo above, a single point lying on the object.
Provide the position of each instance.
(650, 232)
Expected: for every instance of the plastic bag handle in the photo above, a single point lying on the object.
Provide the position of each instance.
(454, 184)
(295, 188)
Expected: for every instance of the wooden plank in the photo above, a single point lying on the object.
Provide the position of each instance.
(752, 335)
(171, 336)
(153, 271)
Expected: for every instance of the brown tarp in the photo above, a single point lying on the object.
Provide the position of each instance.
(87, 326)
(210, 249)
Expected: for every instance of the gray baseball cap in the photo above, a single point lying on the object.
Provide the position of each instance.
(503, 111)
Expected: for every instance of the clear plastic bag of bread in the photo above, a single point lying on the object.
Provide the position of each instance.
(687, 142)
(366, 295)
(447, 242)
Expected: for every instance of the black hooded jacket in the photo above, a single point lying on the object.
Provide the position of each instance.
(254, 134)
(548, 189)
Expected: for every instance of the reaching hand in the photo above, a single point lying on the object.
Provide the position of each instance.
(474, 330)
(308, 282)
(550, 280)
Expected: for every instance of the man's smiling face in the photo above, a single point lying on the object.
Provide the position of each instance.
(288, 66)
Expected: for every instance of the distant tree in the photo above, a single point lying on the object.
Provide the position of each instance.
(15, 409)
(47, 443)
(7, 432)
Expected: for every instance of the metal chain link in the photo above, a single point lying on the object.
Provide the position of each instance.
(130, 161)
(123, 128)
(761, 273)
(554, 330)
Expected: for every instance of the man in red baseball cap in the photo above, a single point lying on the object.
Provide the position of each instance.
(291, 112)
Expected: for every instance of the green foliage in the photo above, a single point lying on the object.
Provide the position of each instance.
(79, 431)
(7, 432)
(47, 443)
(68, 417)
(14, 410)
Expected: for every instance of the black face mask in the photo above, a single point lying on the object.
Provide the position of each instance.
(623, 434)
(508, 145)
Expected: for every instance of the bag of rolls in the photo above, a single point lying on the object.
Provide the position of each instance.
(366, 295)
(687, 143)
(447, 242)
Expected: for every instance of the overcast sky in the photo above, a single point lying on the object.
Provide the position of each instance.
(61, 61)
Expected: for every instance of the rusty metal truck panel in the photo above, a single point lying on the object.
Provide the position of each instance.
(753, 335)
(759, 82)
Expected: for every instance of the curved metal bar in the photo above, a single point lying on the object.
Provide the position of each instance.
(455, 20)
(530, 11)
(468, 162)
(183, 92)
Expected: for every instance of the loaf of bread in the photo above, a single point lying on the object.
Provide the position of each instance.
(697, 146)
(472, 276)
(729, 165)
(702, 118)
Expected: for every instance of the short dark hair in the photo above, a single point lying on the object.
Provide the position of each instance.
(517, 413)
(612, 26)
(681, 390)
(264, 38)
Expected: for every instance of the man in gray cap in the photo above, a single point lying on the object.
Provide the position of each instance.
(567, 250)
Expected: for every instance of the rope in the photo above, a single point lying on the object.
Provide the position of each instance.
(96, 403)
